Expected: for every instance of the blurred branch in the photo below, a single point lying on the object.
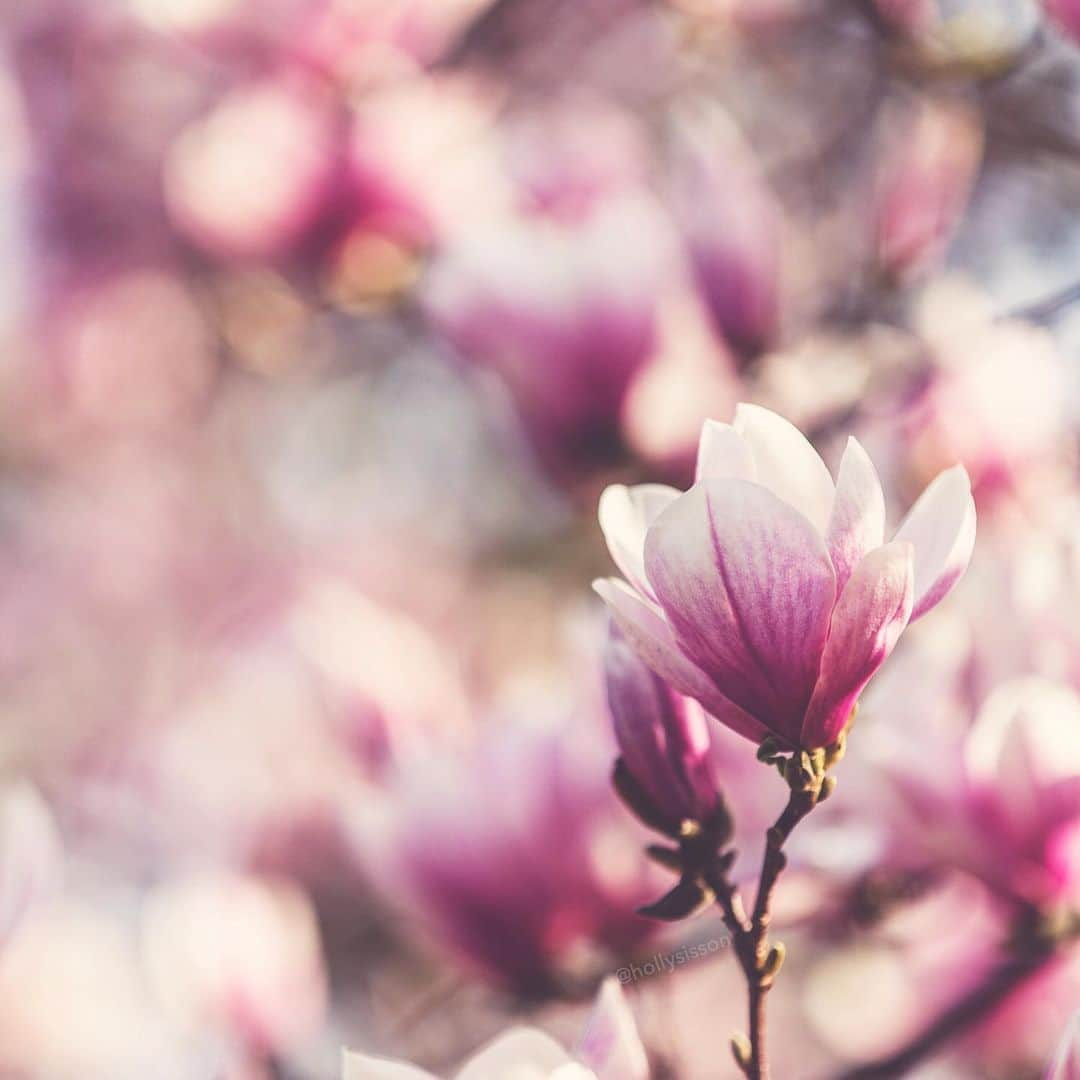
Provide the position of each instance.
(1048, 308)
(1030, 950)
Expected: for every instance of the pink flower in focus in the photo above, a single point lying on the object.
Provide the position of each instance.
(766, 591)
(610, 1049)
(1066, 1064)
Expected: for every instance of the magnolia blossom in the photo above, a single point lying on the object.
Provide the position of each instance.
(236, 953)
(513, 853)
(766, 591)
(565, 313)
(1067, 1062)
(930, 159)
(1003, 801)
(731, 224)
(609, 1049)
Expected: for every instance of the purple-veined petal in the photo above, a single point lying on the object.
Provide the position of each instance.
(857, 521)
(748, 587)
(941, 526)
(870, 616)
(651, 636)
(610, 1044)
(625, 515)
(356, 1066)
(786, 463)
(722, 452)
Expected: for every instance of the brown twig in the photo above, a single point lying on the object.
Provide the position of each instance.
(759, 961)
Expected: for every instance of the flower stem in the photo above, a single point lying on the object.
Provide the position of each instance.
(760, 962)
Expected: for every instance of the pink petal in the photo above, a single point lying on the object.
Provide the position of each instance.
(748, 587)
(872, 612)
(1067, 1061)
(941, 526)
(649, 633)
(625, 515)
(663, 737)
(611, 1046)
(857, 522)
(786, 463)
(723, 452)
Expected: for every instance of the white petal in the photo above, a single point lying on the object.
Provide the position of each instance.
(723, 452)
(1067, 1061)
(625, 516)
(519, 1054)
(857, 522)
(611, 1046)
(941, 525)
(362, 1067)
(786, 463)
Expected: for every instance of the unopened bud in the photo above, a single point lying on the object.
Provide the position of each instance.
(774, 961)
(741, 1050)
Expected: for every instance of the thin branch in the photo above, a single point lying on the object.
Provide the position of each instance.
(759, 962)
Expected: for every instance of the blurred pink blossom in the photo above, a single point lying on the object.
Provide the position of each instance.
(564, 313)
(30, 856)
(731, 224)
(930, 159)
(610, 1049)
(514, 853)
(983, 367)
(237, 954)
(281, 133)
(1003, 800)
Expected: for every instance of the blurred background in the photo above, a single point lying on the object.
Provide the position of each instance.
(322, 325)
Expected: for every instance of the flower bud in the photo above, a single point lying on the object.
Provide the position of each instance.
(662, 737)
